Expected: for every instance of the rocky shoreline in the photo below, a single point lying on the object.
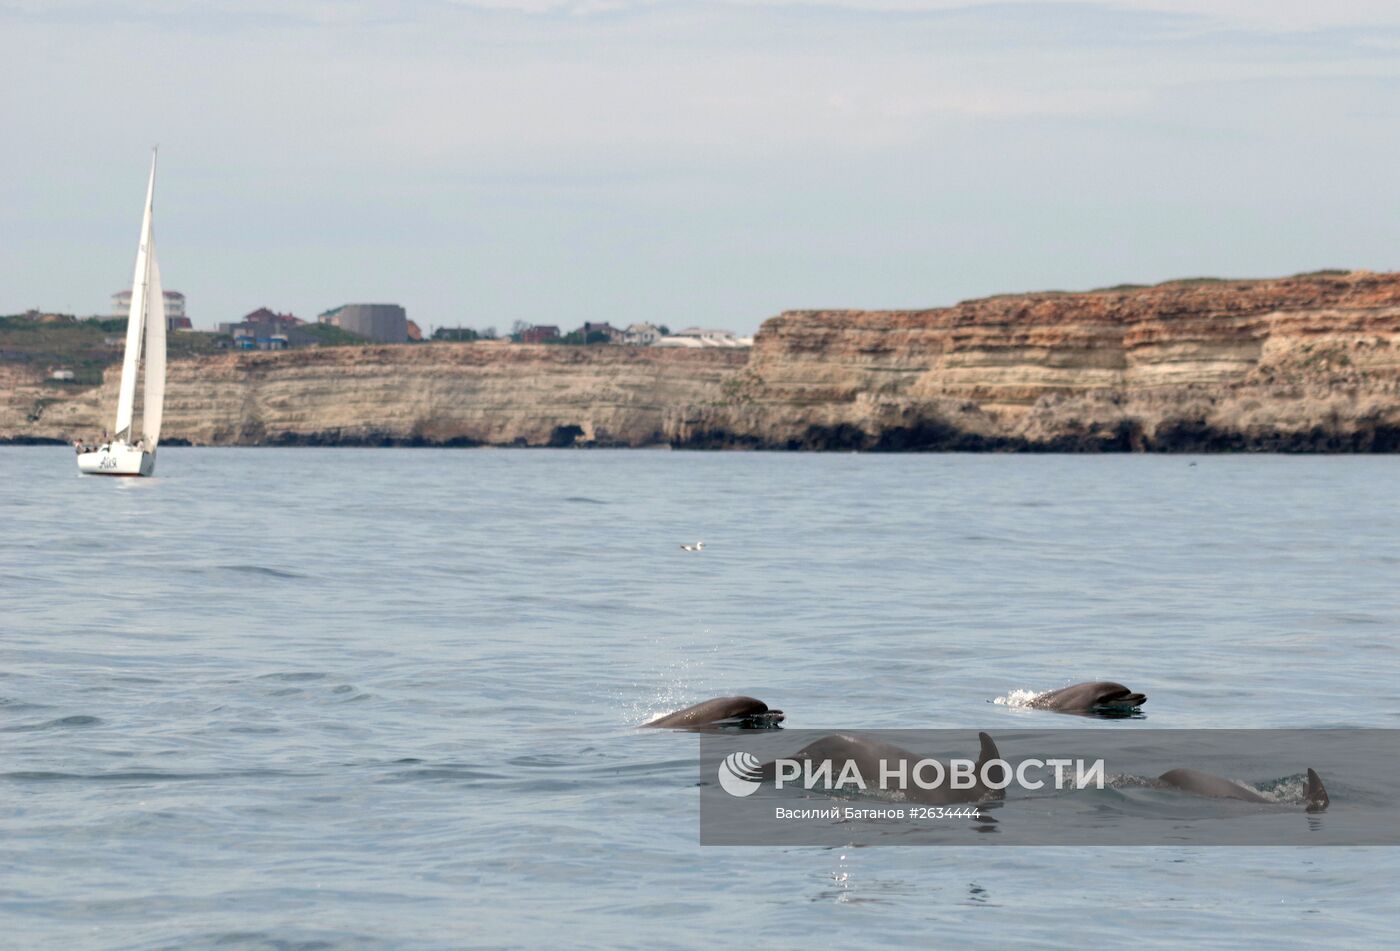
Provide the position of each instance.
(1302, 364)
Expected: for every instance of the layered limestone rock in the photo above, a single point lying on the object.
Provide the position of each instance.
(1310, 363)
(1304, 363)
(24, 398)
(438, 394)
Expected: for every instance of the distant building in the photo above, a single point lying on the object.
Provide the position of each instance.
(62, 374)
(541, 334)
(698, 337)
(642, 335)
(382, 323)
(265, 316)
(175, 316)
(266, 329)
(249, 340)
(459, 334)
(609, 332)
(262, 324)
(414, 331)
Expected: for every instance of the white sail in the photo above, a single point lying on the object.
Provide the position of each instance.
(154, 399)
(136, 319)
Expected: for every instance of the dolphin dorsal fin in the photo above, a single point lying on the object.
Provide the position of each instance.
(990, 752)
(1318, 800)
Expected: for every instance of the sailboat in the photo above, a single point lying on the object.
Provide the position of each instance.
(127, 455)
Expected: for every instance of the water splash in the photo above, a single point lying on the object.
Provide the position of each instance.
(1289, 790)
(841, 878)
(1018, 698)
(673, 692)
(678, 685)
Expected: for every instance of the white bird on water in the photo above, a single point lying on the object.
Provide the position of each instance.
(698, 546)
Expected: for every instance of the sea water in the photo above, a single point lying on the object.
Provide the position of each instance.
(388, 698)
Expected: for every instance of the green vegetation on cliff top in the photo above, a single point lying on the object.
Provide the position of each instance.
(329, 335)
(87, 346)
(83, 346)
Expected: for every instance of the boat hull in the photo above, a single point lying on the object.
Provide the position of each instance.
(118, 459)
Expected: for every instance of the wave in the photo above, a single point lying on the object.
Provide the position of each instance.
(261, 570)
(59, 724)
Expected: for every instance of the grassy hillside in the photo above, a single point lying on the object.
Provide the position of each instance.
(83, 346)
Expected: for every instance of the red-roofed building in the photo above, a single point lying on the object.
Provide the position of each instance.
(542, 334)
(264, 316)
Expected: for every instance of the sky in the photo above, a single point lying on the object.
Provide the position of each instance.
(686, 163)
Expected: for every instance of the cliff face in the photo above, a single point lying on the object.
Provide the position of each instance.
(1305, 363)
(439, 394)
(1309, 363)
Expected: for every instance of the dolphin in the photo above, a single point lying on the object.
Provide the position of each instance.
(868, 756)
(745, 712)
(1101, 697)
(1204, 784)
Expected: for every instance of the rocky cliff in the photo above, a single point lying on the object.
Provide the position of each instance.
(1310, 363)
(428, 394)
